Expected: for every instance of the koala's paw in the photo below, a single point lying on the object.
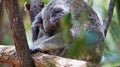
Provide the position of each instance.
(35, 51)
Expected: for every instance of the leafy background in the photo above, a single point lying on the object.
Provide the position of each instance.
(111, 56)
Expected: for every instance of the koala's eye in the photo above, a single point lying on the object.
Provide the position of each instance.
(58, 10)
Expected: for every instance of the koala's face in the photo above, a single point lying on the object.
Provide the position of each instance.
(56, 13)
(52, 16)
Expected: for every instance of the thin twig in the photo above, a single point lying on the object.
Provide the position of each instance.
(108, 18)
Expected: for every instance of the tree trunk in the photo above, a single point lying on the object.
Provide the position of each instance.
(1, 21)
(18, 33)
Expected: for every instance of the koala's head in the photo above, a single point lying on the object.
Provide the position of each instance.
(57, 12)
(52, 15)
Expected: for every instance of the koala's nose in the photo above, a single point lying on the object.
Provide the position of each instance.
(64, 12)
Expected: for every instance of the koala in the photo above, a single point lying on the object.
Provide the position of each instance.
(37, 27)
(37, 30)
(47, 22)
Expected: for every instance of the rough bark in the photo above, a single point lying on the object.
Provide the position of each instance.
(1, 14)
(9, 57)
(1, 21)
(18, 33)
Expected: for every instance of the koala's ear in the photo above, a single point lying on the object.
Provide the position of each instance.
(27, 6)
(42, 4)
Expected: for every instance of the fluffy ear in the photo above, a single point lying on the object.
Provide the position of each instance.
(27, 6)
(42, 4)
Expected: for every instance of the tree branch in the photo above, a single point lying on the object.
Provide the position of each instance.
(108, 18)
(18, 33)
(8, 56)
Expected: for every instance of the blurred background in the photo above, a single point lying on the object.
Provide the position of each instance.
(111, 57)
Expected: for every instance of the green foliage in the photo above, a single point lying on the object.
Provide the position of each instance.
(118, 8)
(90, 2)
(82, 42)
(45, 1)
(111, 53)
(84, 16)
(77, 49)
(7, 40)
(65, 26)
(78, 44)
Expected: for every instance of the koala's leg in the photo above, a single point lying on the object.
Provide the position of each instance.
(37, 30)
(41, 32)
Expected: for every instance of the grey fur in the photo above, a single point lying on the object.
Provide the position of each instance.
(91, 24)
(53, 13)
